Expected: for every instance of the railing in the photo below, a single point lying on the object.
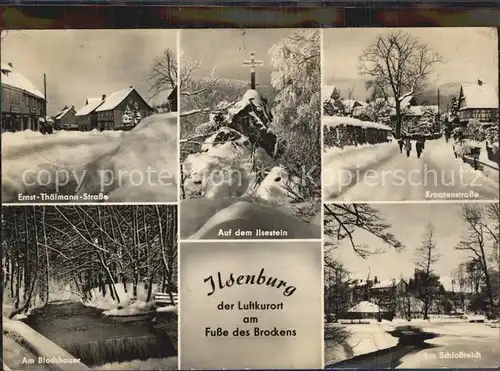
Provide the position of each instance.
(476, 163)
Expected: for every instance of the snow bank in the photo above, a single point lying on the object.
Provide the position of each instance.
(31, 161)
(229, 169)
(128, 304)
(335, 121)
(248, 217)
(343, 167)
(108, 303)
(42, 346)
(142, 168)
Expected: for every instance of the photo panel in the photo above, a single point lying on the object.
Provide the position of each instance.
(89, 116)
(251, 304)
(410, 114)
(250, 129)
(90, 287)
(411, 285)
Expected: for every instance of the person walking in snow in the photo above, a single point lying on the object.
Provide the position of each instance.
(408, 147)
(419, 146)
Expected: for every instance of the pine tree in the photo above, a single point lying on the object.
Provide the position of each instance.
(127, 116)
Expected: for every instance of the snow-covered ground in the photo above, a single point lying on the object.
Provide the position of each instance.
(232, 169)
(362, 339)
(135, 166)
(205, 218)
(341, 166)
(374, 336)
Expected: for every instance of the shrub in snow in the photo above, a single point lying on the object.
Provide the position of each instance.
(136, 114)
(475, 130)
(127, 117)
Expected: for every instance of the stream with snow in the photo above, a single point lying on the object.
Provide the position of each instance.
(97, 340)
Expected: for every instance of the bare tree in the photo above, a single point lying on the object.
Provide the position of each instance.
(164, 72)
(478, 239)
(426, 257)
(342, 220)
(398, 64)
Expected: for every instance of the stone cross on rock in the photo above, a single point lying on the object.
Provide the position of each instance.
(252, 63)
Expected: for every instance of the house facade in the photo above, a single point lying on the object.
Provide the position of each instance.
(86, 116)
(110, 114)
(65, 119)
(478, 101)
(22, 103)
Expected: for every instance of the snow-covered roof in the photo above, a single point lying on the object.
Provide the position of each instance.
(350, 104)
(329, 90)
(334, 121)
(62, 113)
(114, 99)
(419, 110)
(12, 77)
(161, 98)
(365, 307)
(479, 96)
(92, 104)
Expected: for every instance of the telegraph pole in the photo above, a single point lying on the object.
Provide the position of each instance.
(45, 98)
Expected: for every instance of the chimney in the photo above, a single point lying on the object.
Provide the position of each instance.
(479, 82)
(131, 87)
(10, 65)
(103, 96)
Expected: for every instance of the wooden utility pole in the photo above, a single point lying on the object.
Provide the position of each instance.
(439, 101)
(45, 98)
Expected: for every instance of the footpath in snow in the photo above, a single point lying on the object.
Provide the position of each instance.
(135, 166)
(343, 168)
(442, 153)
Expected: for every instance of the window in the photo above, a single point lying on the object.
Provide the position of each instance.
(27, 100)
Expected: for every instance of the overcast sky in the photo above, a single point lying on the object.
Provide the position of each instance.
(226, 49)
(85, 63)
(409, 223)
(469, 54)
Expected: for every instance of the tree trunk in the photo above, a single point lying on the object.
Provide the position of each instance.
(136, 251)
(47, 262)
(398, 119)
(26, 257)
(27, 302)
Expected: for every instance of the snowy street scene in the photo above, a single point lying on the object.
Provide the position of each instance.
(412, 285)
(89, 287)
(84, 122)
(410, 114)
(250, 133)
